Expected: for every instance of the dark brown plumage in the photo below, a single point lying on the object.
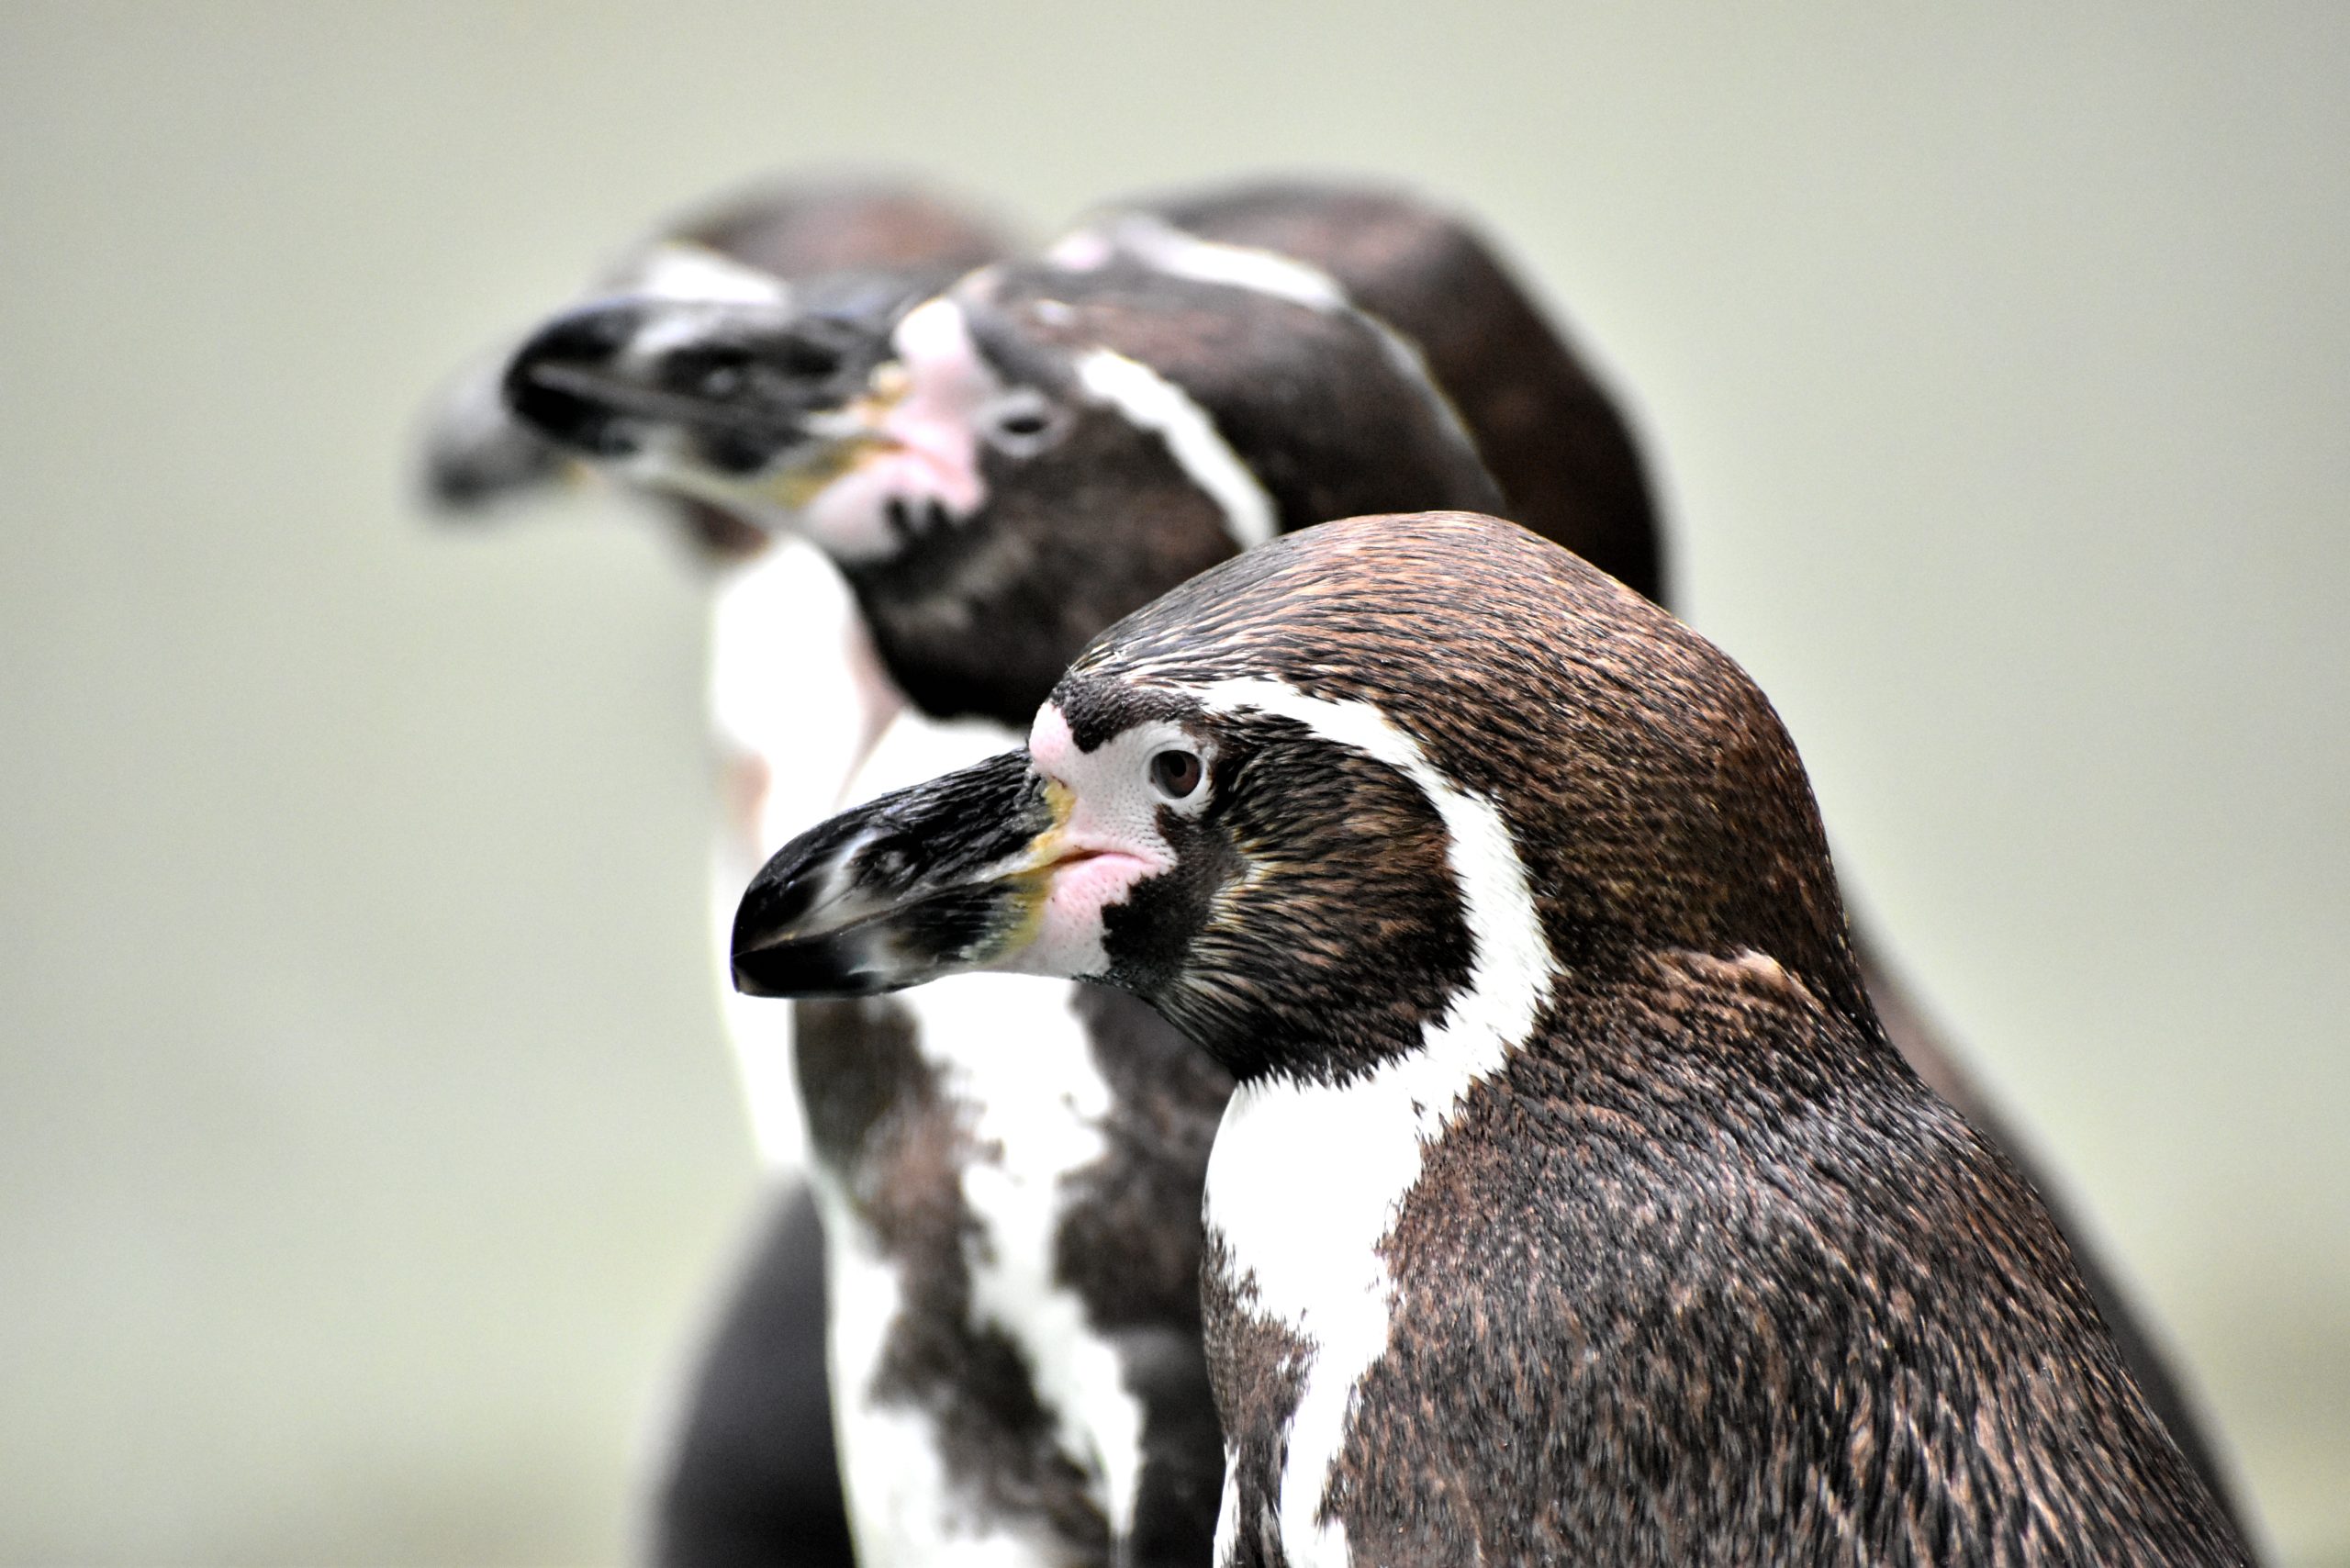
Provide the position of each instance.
(1570, 468)
(1539, 421)
(1563, 451)
(1572, 1206)
(1706, 1275)
(978, 616)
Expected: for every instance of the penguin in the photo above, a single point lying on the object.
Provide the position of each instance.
(1504, 379)
(1572, 1204)
(1571, 469)
(745, 1471)
(1016, 1342)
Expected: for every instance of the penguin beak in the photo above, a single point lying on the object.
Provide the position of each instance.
(945, 878)
(476, 455)
(751, 405)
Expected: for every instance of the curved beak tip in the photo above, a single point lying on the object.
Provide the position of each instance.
(750, 978)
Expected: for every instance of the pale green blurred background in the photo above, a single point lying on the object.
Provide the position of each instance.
(367, 1138)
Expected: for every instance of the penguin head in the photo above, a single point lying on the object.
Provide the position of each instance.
(721, 396)
(750, 247)
(1559, 445)
(1019, 460)
(1381, 778)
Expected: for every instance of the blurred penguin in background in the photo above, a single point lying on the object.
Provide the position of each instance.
(747, 1474)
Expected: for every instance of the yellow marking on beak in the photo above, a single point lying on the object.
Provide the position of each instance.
(796, 486)
(1031, 882)
(800, 483)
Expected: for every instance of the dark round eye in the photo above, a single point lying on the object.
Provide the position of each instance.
(1177, 773)
(1028, 422)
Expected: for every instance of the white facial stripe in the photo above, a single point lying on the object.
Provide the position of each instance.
(1151, 402)
(680, 268)
(934, 331)
(682, 323)
(1082, 250)
(1160, 246)
(1305, 1179)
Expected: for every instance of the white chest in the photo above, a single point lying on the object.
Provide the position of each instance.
(1304, 1185)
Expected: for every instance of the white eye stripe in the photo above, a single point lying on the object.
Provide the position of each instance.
(688, 270)
(1162, 247)
(1150, 401)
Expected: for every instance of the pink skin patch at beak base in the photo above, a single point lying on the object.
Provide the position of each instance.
(928, 457)
(1107, 843)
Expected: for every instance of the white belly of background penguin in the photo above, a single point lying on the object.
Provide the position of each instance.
(1016, 1097)
(1037, 1321)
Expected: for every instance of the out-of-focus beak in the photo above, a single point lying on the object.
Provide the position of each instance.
(475, 454)
(945, 878)
(747, 403)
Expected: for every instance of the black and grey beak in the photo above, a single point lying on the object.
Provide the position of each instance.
(944, 877)
(733, 387)
(475, 452)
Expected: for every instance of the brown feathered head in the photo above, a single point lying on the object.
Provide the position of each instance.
(1382, 776)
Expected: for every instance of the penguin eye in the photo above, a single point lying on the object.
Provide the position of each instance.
(1177, 773)
(1024, 422)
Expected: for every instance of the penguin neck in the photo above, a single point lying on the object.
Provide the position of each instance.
(953, 658)
(1738, 1019)
(1640, 1005)
(720, 540)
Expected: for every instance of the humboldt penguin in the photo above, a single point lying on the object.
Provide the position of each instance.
(1571, 470)
(747, 1473)
(1014, 1255)
(1572, 1204)
(1567, 466)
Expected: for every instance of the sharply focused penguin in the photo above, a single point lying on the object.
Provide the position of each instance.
(945, 598)
(746, 1472)
(1572, 1206)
